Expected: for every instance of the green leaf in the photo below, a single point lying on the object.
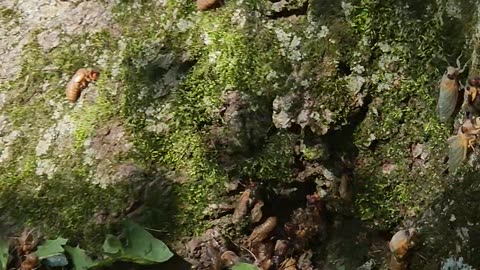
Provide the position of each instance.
(112, 245)
(142, 245)
(244, 266)
(80, 259)
(51, 248)
(3, 253)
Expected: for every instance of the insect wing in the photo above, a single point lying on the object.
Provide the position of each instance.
(474, 92)
(457, 151)
(447, 99)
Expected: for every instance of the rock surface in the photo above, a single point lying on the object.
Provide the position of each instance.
(285, 93)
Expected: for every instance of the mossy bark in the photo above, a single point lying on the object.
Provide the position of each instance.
(245, 91)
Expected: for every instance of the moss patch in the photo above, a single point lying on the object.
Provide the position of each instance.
(403, 77)
(66, 203)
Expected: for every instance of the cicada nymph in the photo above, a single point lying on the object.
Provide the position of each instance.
(279, 252)
(31, 262)
(399, 245)
(256, 213)
(458, 145)
(204, 5)
(229, 258)
(449, 87)
(242, 206)
(262, 231)
(263, 255)
(80, 81)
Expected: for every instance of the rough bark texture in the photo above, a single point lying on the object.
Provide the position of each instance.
(285, 93)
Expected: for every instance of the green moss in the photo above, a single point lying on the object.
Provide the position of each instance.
(275, 161)
(63, 207)
(315, 152)
(89, 118)
(214, 55)
(401, 114)
(8, 15)
(28, 106)
(233, 59)
(65, 204)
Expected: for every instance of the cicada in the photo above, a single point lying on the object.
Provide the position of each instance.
(31, 261)
(279, 252)
(399, 245)
(449, 87)
(80, 81)
(204, 5)
(262, 231)
(263, 255)
(458, 145)
(242, 206)
(471, 102)
(402, 241)
(256, 213)
(229, 258)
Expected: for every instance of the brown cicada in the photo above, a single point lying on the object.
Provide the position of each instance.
(242, 206)
(262, 231)
(80, 81)
(449, 88)
(399, 245)
(458, 145)
(204, 5)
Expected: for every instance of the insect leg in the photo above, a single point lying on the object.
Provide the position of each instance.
(461, 85)
(458, 60)
(471, 142)
(464, 66)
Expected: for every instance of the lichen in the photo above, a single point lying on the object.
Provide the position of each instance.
(455, 264)
(8, 15)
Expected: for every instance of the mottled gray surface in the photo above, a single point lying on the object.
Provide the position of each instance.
(54, 20)
(50, 23)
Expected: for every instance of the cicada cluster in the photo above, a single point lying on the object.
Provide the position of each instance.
(269, 240)
(466, 134)
(24, 246)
